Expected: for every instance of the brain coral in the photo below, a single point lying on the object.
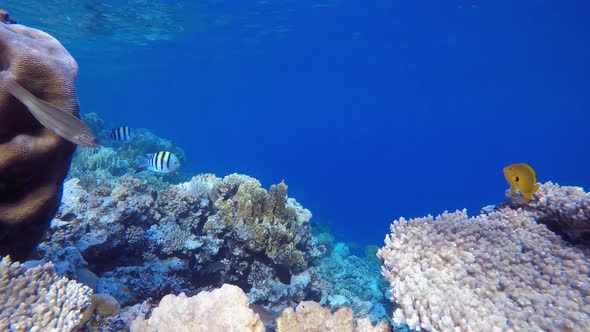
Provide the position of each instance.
(501, 271)
(34, 161)
(37, 299)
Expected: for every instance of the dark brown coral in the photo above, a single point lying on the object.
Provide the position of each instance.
(33, 160)
(5, 17)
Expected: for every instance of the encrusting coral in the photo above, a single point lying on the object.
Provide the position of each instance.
(38, 299)
(223, 309)
(312, 317)
(227, 309)
(34, 161)
(496, 271)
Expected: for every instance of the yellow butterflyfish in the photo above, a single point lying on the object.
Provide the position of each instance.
(522, 177)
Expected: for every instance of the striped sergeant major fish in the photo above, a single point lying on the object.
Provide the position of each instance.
(122, 134)
(159, 162)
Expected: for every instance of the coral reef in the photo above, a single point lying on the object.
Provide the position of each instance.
(104, 165)
(101, 232)
(500, 270)
(38, 299)
(564, 209)
(34, 160)
(139, 237)
(351, 281)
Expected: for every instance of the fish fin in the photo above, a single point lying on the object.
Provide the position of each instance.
(53, 118)
(283, 273)
(526, 194)
(266, 316)
(512, 189)
(529, 193)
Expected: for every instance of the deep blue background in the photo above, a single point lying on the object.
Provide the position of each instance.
(369, 110)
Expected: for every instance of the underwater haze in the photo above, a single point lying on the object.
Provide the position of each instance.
(369, 110)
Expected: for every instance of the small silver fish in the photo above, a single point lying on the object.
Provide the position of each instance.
(122, 134)
(53, 118)
(160, 162)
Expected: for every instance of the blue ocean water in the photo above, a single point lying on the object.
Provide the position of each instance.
(369, 110)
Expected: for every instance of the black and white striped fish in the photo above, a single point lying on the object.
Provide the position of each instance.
(160, 162)
(122, 134)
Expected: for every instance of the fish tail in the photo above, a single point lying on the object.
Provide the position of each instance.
(142, 164)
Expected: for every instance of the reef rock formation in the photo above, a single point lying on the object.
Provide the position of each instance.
(134, 242)
(33, 160)
(497, 271)
(141, 236)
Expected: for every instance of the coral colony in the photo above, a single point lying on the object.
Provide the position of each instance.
(168, 251)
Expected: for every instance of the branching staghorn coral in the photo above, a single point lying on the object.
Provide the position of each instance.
(37, 299)
(500, 271)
